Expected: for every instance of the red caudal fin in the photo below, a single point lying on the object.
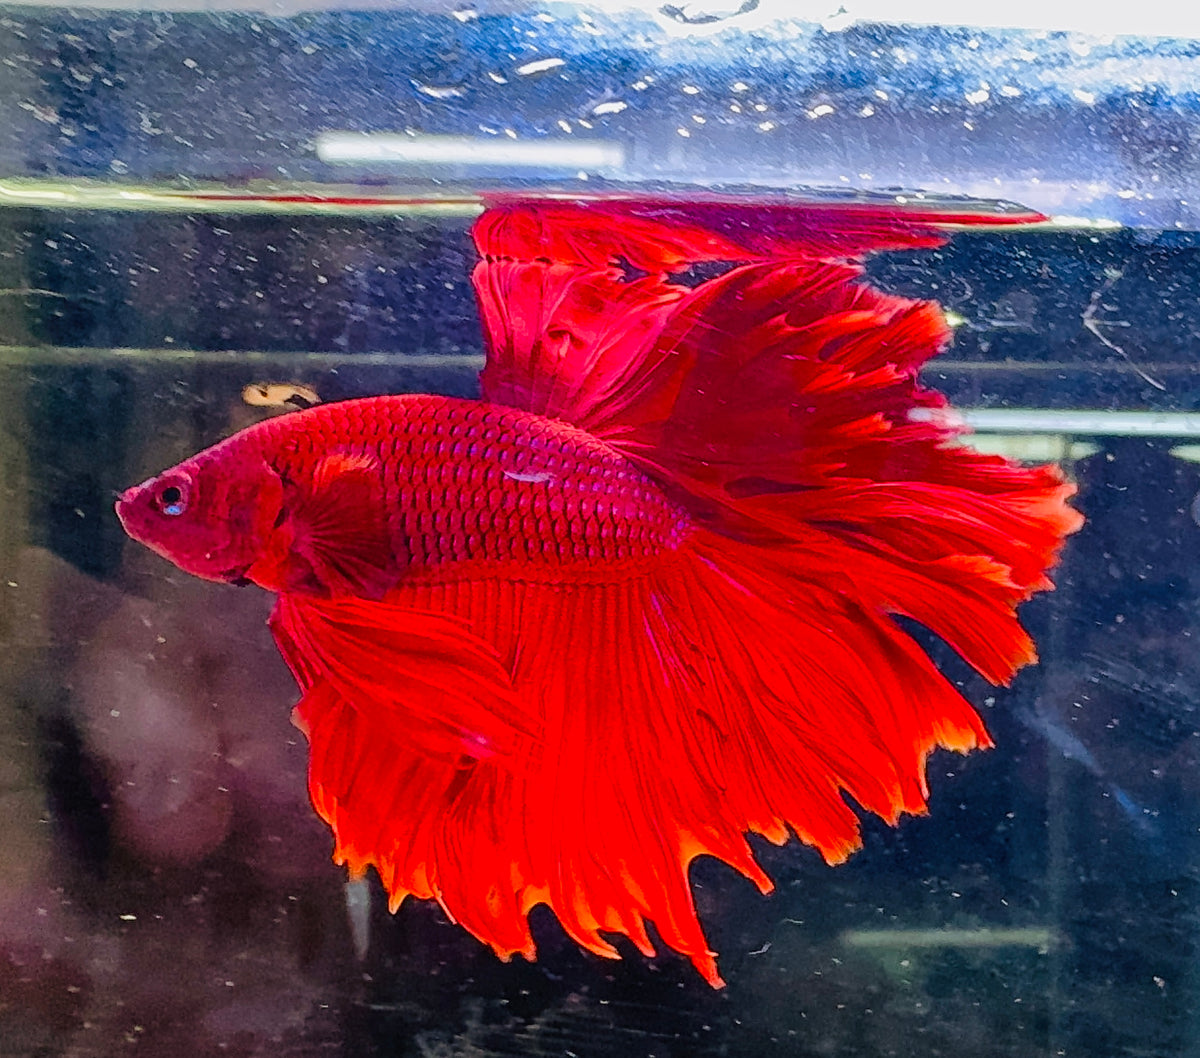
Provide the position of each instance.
(799, 423)
(778, 401)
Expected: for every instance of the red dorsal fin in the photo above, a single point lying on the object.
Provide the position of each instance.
(571, 300)
(339, 541)
(574, 297)
(565, 337)
(652, 239)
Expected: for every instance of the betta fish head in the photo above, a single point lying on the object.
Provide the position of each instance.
(211, 515)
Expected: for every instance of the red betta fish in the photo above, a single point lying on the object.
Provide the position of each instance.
(637, 602)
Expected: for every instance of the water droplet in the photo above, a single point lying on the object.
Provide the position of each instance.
(439, 91)
(540, 66)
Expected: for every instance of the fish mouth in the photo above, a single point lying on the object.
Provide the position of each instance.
(122, 508)
(130, 515)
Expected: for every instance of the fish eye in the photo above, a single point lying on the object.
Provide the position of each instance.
(171, 500)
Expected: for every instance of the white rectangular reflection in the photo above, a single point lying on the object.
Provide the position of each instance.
(349, 148)
(1038, 937)
(1082, 423)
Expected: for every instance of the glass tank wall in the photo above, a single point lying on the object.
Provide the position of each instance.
(204, 213)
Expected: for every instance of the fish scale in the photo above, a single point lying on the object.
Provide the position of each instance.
(466, 481)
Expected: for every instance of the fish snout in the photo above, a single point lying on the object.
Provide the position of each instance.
(124, 506)
(132, 511)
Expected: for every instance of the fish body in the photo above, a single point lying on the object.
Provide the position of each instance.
(423, 485)
(637, 602)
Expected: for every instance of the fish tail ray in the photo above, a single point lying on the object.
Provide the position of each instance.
(799, 425)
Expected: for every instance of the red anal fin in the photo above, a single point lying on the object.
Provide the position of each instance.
(682, 708)
(420, 678)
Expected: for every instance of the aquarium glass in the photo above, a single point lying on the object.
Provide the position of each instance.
(211, 214)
